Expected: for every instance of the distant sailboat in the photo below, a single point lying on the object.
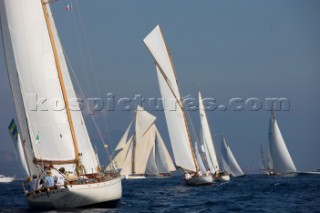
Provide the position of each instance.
(37, 68)
(229, 161)
(5, 179)
(208, 143)
(180, 139)
(143, 154)
(281, 160)
(265, 162)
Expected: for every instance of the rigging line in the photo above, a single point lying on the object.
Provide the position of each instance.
(93, 119)
(92, 70)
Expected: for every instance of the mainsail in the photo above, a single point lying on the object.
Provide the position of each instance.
(281, 160)
(33, 74)
(50, 123)
(173, 106)
(206, 138)
(144, 152)
(230, 160)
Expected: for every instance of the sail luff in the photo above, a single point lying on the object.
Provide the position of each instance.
(64, 93)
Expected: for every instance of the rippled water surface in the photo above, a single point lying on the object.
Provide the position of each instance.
(252, 193)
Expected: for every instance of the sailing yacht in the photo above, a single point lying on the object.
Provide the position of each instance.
(52, 138)
(208, 144)
(282, 163)
(177, 124)
(229, 161)
(265, 162)
(143, 154)
(5, 179)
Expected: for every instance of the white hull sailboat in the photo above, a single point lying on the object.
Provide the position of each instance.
(177, 124)
(143, 154)
(5, 179)
(98, 194)
(52, 138)
(229, 162)
(282, 163)
(208, 145)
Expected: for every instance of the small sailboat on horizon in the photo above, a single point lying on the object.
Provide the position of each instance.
(143, 154)
(180, 139)
(229, 162)
(282, 163)
(6, 179)
(265, 162)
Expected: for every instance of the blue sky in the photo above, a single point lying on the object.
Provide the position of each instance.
(233, 49)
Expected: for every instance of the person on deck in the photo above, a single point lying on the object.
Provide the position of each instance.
(59, 179)
(48, 180)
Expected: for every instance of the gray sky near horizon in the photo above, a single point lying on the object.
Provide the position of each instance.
(245, 49)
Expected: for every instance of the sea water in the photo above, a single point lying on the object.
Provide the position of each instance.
(252, 193)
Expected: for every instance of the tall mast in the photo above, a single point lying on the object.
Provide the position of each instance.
(64, 92)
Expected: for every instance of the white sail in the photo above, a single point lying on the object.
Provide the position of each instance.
(143, 147)
(263, 165)
(89, 161)
(172, 104)
(151, 167)
(121, 156)
(124, 139)
(52, 132)
(281, 159)
(163, 159)
(228, 156)
(199, 158)
(269, 160)
(145, 150)
(225, 166)
(22, 157)
(11, 50)
(206, 138)
(127, 164)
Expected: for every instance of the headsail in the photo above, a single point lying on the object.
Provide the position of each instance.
(281, 159)
(199, 158)
(207, 140)
(173, 106)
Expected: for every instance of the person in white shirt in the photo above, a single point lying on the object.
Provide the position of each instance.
(59, 179)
